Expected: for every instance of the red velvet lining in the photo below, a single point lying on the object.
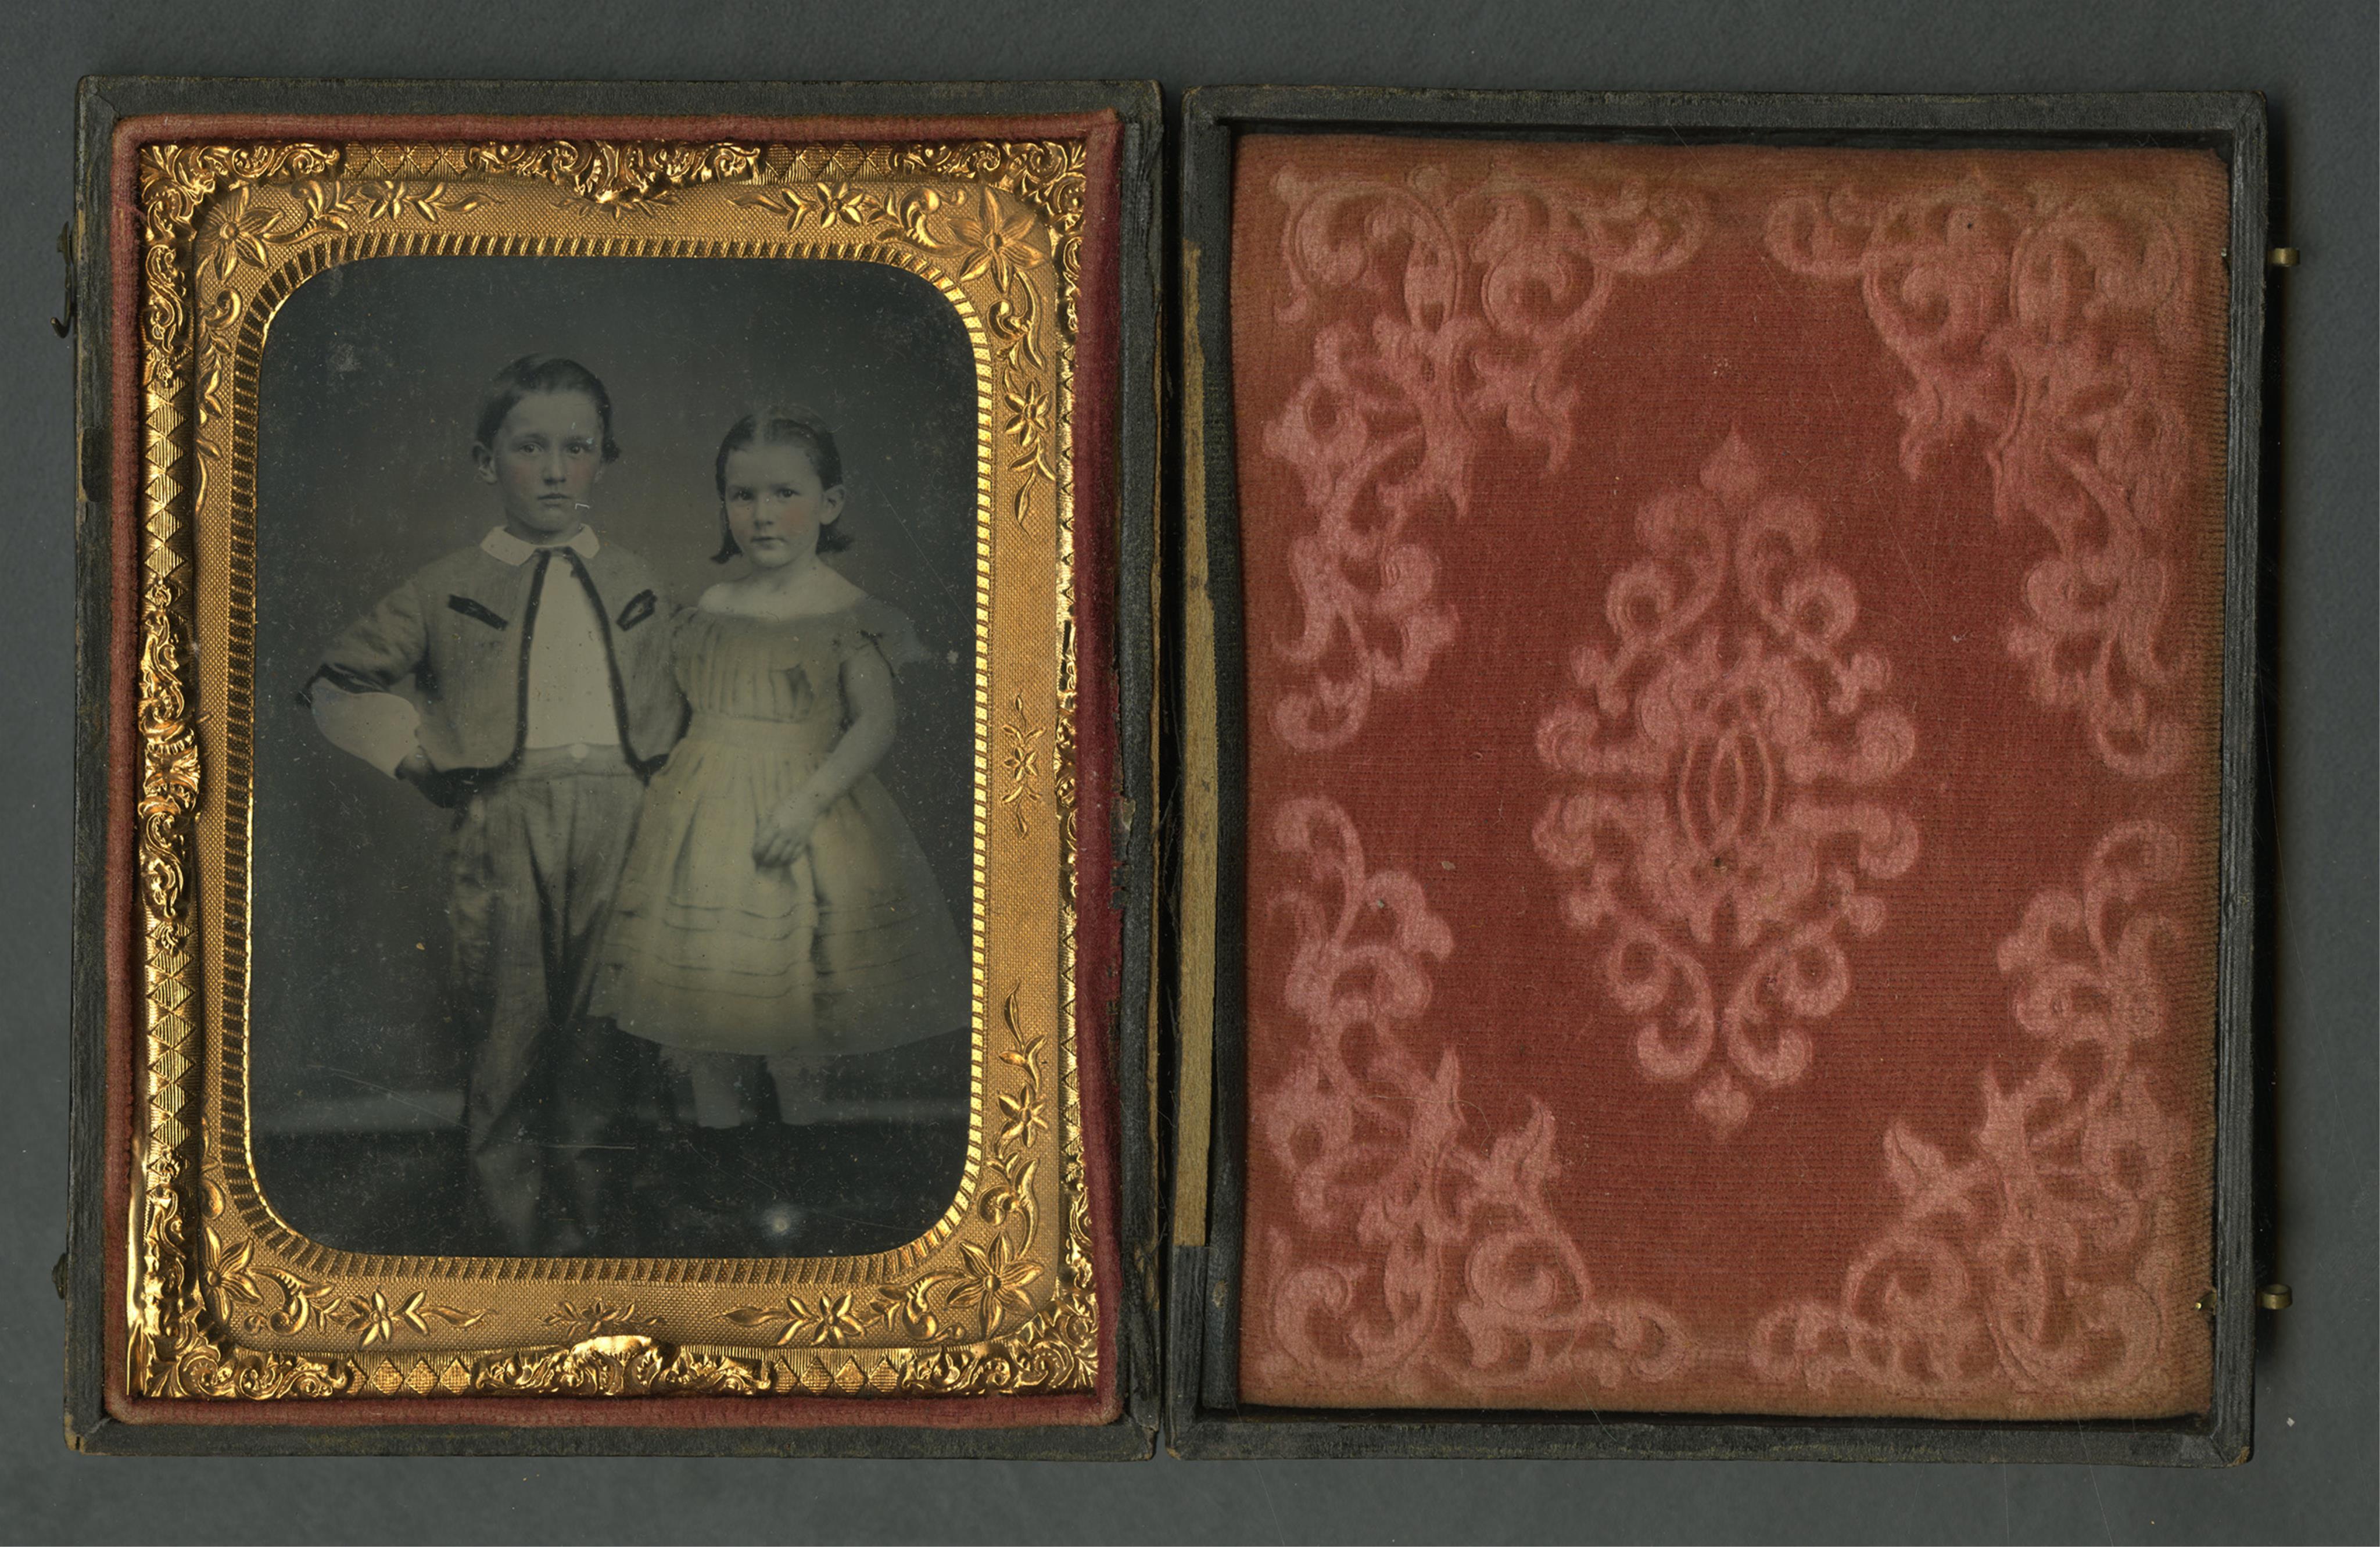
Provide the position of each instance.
(1733, 652)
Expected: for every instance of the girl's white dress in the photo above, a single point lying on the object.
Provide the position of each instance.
(848, 949)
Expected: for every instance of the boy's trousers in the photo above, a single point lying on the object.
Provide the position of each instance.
(535, 857)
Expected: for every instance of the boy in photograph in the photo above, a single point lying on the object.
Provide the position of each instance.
(540, 660)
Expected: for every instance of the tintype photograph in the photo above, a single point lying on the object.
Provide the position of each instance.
(615, 661)
(604, 803)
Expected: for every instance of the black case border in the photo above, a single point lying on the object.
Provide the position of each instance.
(1204, 1418)
(101, 103)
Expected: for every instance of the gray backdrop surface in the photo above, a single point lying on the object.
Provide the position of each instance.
(2313, 1475)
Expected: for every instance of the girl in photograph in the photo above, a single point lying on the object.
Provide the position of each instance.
(775, 910)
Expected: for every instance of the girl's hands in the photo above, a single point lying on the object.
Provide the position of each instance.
(784, 832)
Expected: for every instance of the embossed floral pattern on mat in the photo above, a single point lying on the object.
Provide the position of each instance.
(1733, 643)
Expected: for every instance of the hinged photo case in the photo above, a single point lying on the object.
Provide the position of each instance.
(1690, 848)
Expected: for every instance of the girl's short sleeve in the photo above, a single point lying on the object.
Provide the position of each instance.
(886, 630)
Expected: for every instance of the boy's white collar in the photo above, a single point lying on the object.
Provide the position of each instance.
(503, 545)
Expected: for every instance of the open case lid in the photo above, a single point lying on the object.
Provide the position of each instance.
(1718, 783)
(234, 1286)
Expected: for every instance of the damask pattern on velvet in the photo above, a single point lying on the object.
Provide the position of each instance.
(1733, 641)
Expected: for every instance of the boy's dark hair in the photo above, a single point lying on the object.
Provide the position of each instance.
(782, 426)
(542, 373)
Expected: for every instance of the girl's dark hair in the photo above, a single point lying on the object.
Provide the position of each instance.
(782, 426)
(533, 373)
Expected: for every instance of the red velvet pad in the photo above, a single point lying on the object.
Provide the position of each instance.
(1733, 638)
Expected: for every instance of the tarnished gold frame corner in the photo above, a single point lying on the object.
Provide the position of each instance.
(222, 1299)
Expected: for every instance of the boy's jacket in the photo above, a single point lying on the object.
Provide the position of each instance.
(461, 629)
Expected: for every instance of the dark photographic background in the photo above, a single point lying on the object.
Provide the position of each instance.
(2312, 1478)
(372, 380)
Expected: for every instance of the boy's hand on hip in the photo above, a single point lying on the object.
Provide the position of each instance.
(784, 833)
(433, 787)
